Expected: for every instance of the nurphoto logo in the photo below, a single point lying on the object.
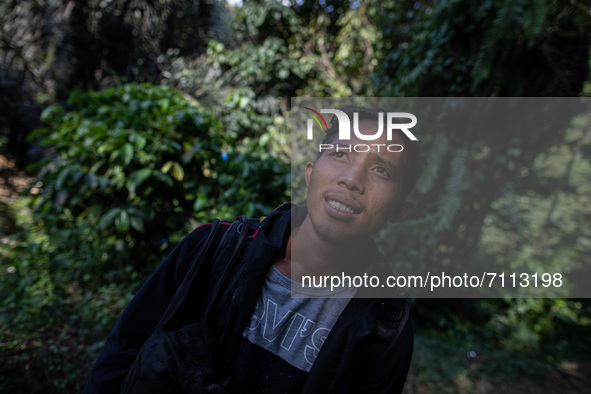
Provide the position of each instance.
(345, 129)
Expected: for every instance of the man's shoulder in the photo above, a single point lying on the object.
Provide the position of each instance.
(255, 222)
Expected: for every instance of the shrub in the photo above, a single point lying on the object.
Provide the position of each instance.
(134, 168)
(131, 170)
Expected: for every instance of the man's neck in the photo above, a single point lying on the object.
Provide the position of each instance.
(315, 256)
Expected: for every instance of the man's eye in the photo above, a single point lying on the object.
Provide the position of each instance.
(339, 154)
(382, 170)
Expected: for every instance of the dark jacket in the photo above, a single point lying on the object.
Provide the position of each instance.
(344, 364)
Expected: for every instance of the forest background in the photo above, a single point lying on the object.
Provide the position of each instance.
(125, 123)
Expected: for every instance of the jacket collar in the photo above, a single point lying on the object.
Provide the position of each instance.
(276, 230)
(359, 316)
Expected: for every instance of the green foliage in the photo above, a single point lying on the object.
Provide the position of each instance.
(132, 170)
(500, 48)
(546, 211)
(537, 327)
(473, 345)
(494, 200)
(138, 165)
(490, 48)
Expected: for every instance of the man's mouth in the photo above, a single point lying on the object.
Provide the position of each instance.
(340, 206)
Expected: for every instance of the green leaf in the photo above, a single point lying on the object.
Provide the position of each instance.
(164, 178)
(166, 167)
(122, 221)
(139, 176)
(177, 172)
(108, 218)
(139, 141)
(36, 133)
(137, 223)
(200, 203)
(126, 153)
(62, 177)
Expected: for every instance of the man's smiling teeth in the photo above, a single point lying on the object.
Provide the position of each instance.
(341, 207)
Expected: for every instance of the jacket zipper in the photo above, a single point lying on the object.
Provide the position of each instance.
(229, 316)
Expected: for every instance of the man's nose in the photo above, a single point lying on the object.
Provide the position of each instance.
(353, 178)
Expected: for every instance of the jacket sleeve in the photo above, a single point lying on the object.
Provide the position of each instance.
(141, 316)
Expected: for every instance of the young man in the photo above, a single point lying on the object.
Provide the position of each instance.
(268, 340)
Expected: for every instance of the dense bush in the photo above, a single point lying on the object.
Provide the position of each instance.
(132, 169)
(139, 165)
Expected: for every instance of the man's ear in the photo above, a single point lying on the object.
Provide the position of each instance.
(403, 211)
(308, 172)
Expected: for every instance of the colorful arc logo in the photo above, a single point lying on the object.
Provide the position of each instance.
(317, 117)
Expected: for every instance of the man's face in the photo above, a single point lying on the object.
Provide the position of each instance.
(352, 195)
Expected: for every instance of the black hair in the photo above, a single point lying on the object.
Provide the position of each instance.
(412, 165)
